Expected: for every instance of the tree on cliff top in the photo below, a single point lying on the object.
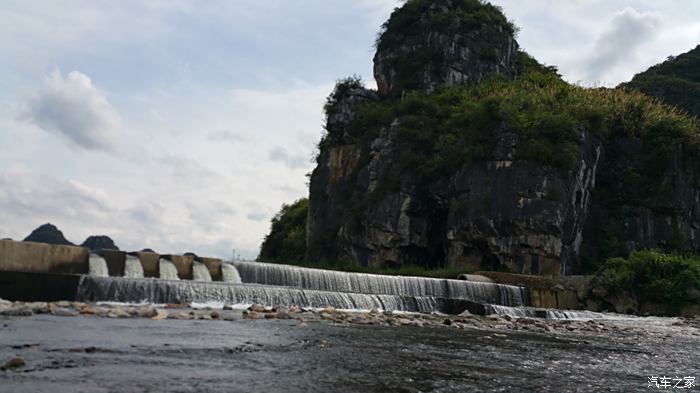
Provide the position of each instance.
(286, 241)
(442, 15)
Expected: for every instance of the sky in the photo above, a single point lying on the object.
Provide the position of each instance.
(182, 125)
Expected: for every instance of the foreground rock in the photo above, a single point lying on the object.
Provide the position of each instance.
(13, 364)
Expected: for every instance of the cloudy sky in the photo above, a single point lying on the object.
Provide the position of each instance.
(184, 125)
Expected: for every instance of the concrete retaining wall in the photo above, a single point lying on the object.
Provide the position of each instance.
(42, 258)
(568, 293)
(47, 258)
(34, 287)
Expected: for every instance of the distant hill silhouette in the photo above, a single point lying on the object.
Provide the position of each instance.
(95, 243)
(49, 234)
(676, 81)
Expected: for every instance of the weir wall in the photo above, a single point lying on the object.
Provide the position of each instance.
(567, 293)
(30, 257)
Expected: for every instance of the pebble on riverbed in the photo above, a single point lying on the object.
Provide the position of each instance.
(13, 364)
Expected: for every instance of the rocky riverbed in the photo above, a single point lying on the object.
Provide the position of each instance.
(607, 324)
(75, 347)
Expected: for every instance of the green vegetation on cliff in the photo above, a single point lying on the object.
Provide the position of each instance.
(651, 278)
(676, 81)
(286, 241)
(454, 128)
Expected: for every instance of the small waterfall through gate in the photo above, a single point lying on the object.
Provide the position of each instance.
(133, 267)
(167, 269)
(98, 266)
(200, 272)
(230, 274)
(336, 281)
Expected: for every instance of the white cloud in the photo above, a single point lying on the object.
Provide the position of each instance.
(224, 136)
(290, 160)
(74, 108)
(618, 47)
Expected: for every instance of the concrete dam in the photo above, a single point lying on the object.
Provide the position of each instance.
(33, 271)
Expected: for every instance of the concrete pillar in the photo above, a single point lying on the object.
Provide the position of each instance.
(183, 264)
(116, 260)
(149, 262)
(214, 266)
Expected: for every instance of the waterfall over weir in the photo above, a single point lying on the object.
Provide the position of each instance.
(167, 269)
(119, 289)
(133, 267)
(200, 272)
(98, 266)
(230, 274)
(335, 281)
(530, 312)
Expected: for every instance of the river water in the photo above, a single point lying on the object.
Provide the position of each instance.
(88, 354)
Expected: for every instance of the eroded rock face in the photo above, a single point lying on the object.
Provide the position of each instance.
(520, 214)
(643, 202)
(366, 206)
(427, 45)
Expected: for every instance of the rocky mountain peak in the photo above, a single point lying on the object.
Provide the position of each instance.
(48, 233)
(95, 243)
(426, 44)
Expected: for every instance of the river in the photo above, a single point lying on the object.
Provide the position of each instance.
(93, 354)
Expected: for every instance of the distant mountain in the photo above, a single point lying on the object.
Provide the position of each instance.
(48, 234)
(676, 81)
(95, 243)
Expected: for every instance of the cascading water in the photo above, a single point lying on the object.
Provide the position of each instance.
(200, 272)
(157, 291)
(133, 267)
(230, 274)
(328, 280)
(530, 312)
(168, 271)
(98, 266)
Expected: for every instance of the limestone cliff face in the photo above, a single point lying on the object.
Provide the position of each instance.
(525, 216)
(626, 215)
(501, 211)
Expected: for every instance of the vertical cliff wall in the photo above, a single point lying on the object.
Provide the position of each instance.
(470, 153)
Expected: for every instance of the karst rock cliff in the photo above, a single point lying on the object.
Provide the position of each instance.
(402, 180)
